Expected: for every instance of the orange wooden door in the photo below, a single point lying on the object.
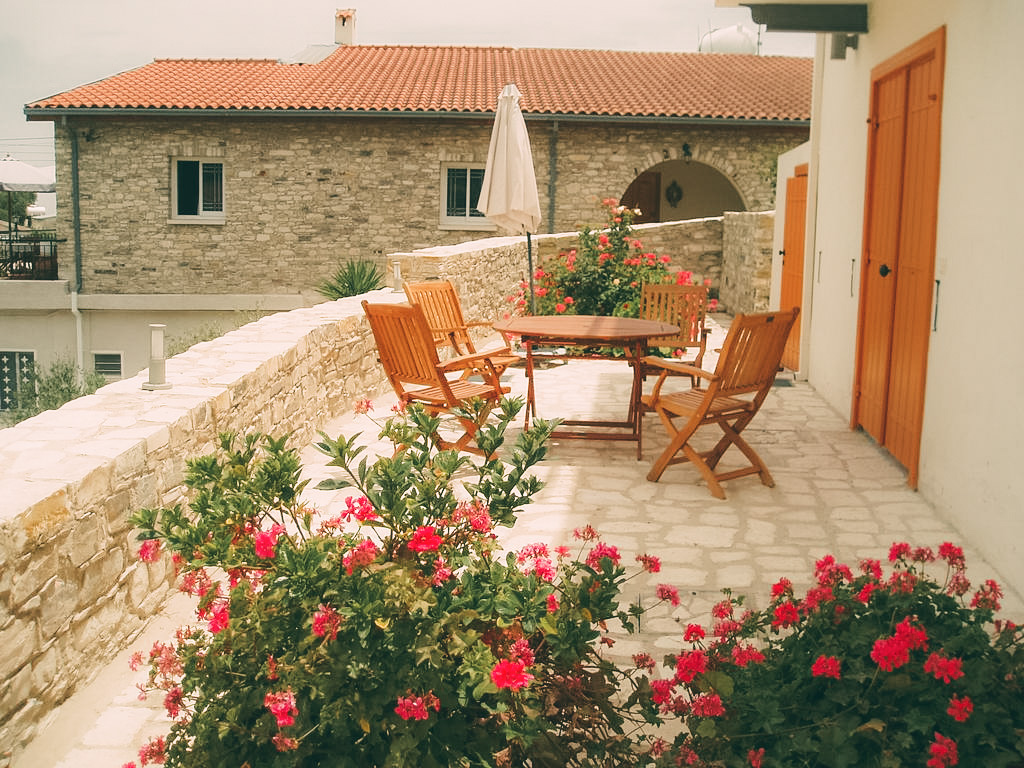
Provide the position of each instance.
(899, 251)
(792, 288)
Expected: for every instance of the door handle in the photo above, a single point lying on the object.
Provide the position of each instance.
(884, 270)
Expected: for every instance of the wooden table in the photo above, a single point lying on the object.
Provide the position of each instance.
(629, 333)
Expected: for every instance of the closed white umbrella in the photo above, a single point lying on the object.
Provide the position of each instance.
(509, 194)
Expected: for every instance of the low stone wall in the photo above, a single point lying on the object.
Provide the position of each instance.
(746, 262)
(72, 590)
(738, 263)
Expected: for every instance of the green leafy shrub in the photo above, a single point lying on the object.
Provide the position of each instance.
(392, 634)
(863, 670)
(352, 279)
(46, 388)
(603, 275)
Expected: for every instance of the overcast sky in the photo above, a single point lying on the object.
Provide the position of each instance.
(50, 46)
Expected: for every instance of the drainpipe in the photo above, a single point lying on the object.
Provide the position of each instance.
(76, 282)
(552, 174)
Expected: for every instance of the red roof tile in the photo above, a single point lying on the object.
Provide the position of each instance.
(466, 80)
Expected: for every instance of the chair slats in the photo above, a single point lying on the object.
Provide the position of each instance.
(684, 306)
(443, 310)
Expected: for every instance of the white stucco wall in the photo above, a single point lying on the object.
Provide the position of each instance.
(973, 430)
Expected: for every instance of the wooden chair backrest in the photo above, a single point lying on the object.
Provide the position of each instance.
(404, 343)
(443, 310)
(752, 351)
(683, 305)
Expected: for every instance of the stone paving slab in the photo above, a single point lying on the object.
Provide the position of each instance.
(835, 492)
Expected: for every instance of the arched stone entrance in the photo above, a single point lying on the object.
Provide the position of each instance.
(675, 190)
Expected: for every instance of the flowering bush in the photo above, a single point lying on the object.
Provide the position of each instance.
(392, 633)
(865, 669)
(604, 275)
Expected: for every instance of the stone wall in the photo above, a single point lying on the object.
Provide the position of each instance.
(747, 261)
(72, 590)
(305, 193)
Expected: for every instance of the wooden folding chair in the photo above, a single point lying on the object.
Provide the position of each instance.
(407, 352)
(443, 310)
(685, 306)
(734, 393)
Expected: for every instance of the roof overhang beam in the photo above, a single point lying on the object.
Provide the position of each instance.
(806, 16)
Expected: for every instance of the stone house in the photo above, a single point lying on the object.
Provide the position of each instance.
(190, 188)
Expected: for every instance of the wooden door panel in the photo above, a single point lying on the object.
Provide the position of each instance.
(881, 253)
(792, 288)
(915, 274)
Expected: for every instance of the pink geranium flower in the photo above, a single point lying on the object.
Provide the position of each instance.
(511, 675)
(425, 539)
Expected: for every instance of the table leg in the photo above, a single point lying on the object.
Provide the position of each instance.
(635, 406)
(531, 403)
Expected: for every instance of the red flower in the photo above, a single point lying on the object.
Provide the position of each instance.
(690, 664)
(693, 632)
(946, 670)
(743, 655)
(282, 706)
(755, 758)
(890, 653)
(149, 550)
(600, 552)
(785, 615)
(943, 752)
(708, 705)
(987, 597)
(326, 622)
(153, 752)
(552, 603)
(826, 666)
(425, 539)
(219, 619)
(668, 592)
(650, 563)
(510, 674)
(960, 709)
(266, 541)
(782, 588)
(953, 555)
(898, 550)
(361, 555)
(415, 708)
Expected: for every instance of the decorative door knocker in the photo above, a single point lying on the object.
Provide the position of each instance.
(674, 193)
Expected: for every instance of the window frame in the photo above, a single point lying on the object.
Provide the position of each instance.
(468, 221)
(201, 216)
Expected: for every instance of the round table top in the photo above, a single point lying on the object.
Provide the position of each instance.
(584, 327)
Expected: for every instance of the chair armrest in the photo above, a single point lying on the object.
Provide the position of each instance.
(674, 367)
(465, 361)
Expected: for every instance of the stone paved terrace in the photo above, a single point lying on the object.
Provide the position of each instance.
(835, 492)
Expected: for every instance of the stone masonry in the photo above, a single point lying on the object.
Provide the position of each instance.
(303, 194)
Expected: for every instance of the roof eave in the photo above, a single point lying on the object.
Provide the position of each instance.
(55, 113)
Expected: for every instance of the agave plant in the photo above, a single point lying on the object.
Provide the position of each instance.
(351, 279)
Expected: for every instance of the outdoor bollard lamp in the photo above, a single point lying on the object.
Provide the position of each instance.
(157, 362)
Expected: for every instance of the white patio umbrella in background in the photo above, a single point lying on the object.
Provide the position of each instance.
(509, 193)
(16, 176)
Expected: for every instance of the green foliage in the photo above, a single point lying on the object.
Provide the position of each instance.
(392, 634)
(43, 389)
(352, 279)
(864, 670)
(19, 202)
(602, 276)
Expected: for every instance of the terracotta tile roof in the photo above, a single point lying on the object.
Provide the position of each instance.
(466, 80)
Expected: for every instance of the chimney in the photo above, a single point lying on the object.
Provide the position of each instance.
(345, 26)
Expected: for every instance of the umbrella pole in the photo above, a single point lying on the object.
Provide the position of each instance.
(529, 262)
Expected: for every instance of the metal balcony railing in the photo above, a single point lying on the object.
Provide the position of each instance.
(28, 255)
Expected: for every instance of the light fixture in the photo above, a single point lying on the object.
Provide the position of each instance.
(687, 153)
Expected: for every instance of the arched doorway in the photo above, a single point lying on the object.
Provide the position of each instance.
(676, 190)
